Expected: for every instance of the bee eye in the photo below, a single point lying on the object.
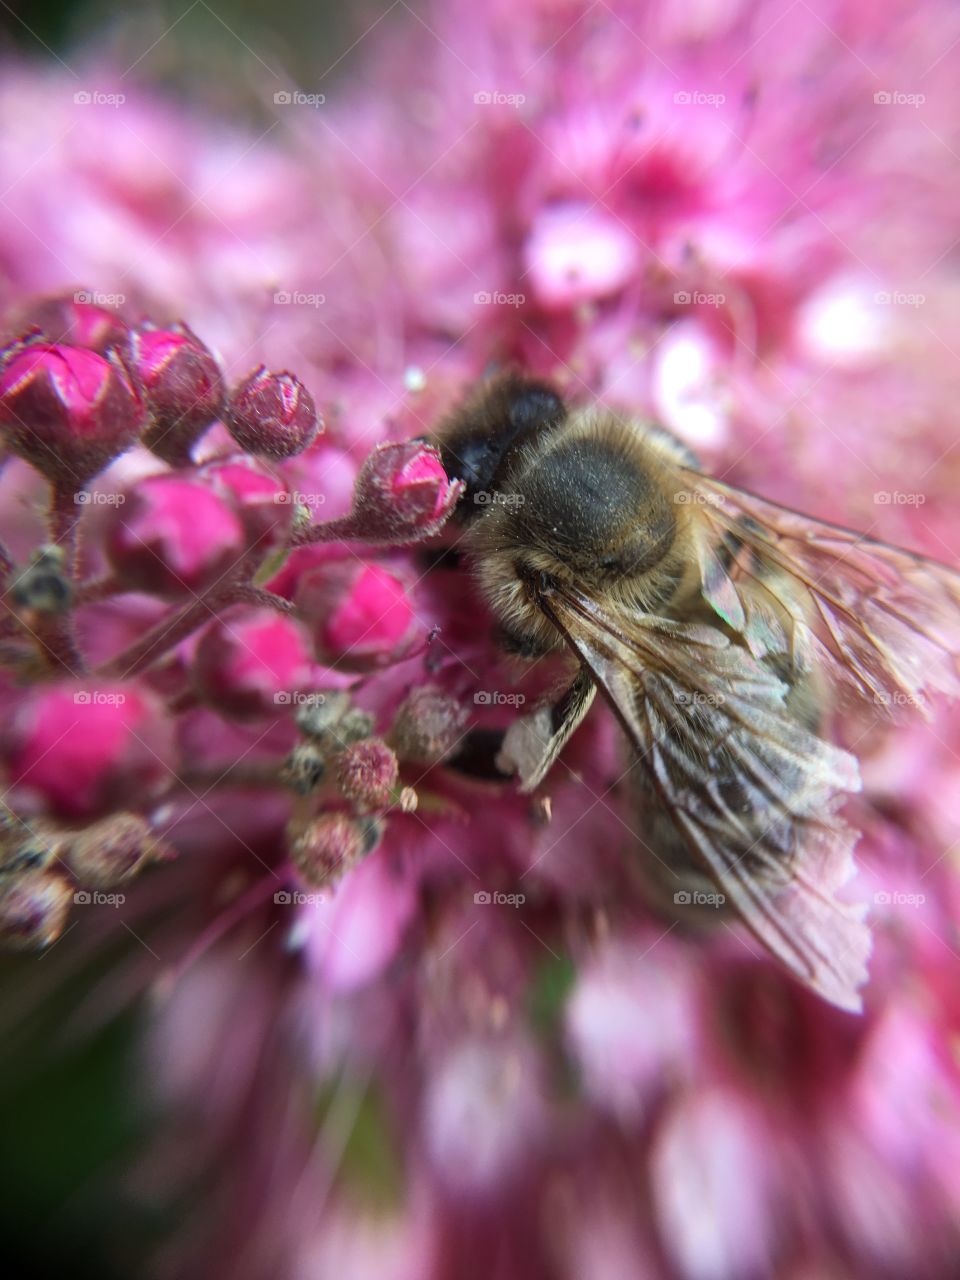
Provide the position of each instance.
(479, 443)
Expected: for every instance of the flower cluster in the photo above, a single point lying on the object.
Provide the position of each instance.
(414, 1024)
(203, 540)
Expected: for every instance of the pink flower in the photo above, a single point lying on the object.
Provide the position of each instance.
(414, 1023)
(249, 662)
(357, 612)
(83, 750)
(173, 536)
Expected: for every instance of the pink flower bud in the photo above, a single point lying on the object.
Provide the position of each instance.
(182, 385)
(112, 851)
(87, 748)
(327, 848)
(261, 498)
(272, 414)
(250, 661)
(402, 493)
(367, 773)
(356, 612)
(69, 319)
(66, 410)
(33, 909)
(173, 536)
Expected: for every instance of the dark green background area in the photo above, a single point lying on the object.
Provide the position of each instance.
(185, 38)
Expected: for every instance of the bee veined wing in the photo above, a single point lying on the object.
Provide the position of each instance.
(876, 619)
(753, 795)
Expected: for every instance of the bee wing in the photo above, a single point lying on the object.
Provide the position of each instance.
(752, 794)
(876, 619)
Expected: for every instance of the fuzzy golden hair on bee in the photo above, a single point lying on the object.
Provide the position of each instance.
(720, 629)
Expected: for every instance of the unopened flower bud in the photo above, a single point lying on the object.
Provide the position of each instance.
(182, 385)
(87, 747)
(26, 845)
(173, 536)
(358, 613)
(304, 768)
(250, 661)
(402, 493)
(272, 414)
(67, 318)
(320, 713)
(367, 773)
(260, 497)
(33, 909)
(428, 725)
(354, 725)
(329, 846)
(333, 724)
(111, 851)
(66, 410)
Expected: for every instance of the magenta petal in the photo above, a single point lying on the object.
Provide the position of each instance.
(354, 934)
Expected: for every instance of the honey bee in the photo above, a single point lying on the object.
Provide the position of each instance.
(721, 629)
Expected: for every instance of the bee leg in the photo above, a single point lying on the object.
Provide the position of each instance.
(533, 742)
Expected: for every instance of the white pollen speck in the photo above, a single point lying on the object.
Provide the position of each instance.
(414, 379)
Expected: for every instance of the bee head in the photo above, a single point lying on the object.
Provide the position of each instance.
(480, 441)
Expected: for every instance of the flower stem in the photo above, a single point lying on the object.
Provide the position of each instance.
(247, 593)
(162, 637)
(55, 633)
(64, 520)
